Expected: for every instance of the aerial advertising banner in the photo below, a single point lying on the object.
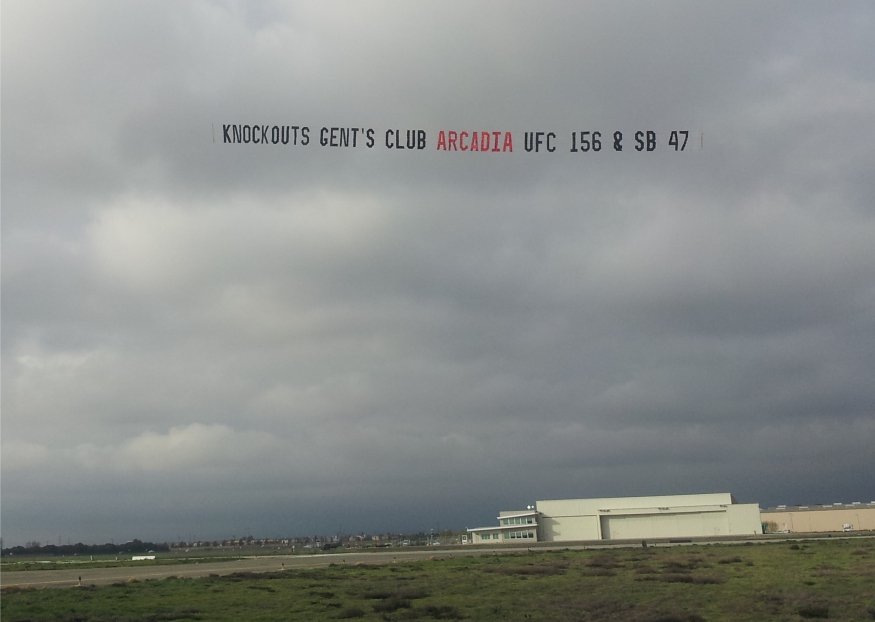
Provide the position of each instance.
(459, 140)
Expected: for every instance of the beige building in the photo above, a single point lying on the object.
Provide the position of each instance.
(670, 516)
(521, 526)
(821, 518)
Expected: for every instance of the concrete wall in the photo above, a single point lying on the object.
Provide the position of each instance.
(559, 528)
(686, 525)
(808, 521)
(477, 538)
(578, 507)
(744, 518)
(670, 516)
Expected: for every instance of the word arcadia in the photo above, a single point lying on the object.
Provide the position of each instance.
(480, 141)
(488, 141)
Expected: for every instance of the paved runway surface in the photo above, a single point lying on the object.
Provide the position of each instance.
(105, 576)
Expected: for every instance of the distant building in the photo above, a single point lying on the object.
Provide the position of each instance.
(672, 516)
(821, 518)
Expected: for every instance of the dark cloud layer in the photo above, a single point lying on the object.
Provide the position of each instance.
(206, 339)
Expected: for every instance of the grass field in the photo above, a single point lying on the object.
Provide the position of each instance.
(832, 579)
(105, 561)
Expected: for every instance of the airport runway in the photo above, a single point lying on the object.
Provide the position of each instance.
(264, 563)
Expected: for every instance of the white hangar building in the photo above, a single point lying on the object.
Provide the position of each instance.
(672, 516)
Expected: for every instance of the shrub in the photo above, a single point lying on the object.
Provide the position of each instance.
(679, 566)
(378, 594)
(598, 572)
(527, 570)
(263, 588)
(443, 612)
(391, 604)
(602, 561)
(326, 595)
(411, 593)
(677, 578)
(814, 611)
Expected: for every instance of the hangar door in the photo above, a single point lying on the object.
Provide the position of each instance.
(565, 528)
(686, 525)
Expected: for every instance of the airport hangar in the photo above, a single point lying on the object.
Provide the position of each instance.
(821, 518)
(671, 516)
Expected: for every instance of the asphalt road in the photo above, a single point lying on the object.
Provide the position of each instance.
(274, 563)
(262, 563)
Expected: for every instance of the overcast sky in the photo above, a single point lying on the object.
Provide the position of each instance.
(203, 339)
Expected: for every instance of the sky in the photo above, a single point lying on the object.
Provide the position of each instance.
(203, 339)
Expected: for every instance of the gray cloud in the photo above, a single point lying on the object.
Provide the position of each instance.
(203, 338)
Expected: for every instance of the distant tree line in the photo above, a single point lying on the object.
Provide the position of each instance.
(134, 546)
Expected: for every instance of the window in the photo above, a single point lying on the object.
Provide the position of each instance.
(519, 520)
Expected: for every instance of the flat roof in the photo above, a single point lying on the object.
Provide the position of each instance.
(532, 513)
(592, 506)
(504, 527)
(822, 508)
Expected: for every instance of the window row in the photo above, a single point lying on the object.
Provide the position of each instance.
(513, 535)
(518, 520)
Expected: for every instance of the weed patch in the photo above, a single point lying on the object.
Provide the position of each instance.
(723, 582)
(813, 611)
(598, 572)
(263, 588)
(391, 604)
(677, 578)
(526, 570)
(602, 561)
(326, 595)
(443, 612)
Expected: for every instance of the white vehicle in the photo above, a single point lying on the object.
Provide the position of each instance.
(847, 527)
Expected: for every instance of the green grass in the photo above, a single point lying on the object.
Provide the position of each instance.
(769, 581)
